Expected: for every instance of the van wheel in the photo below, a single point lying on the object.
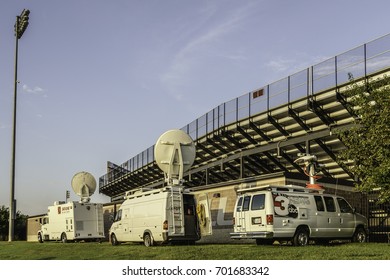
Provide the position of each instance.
(114, 241)
(360, 235)
(301, 237)
(148, 240)
(40, 239)
(64, 239)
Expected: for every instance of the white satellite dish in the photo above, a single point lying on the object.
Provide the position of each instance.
(84, 185)
(174, 153)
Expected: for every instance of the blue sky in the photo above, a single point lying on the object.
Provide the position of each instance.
(102, 80)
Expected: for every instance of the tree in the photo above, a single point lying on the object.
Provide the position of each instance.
(20, 224)
(4, 214)
(368, 141)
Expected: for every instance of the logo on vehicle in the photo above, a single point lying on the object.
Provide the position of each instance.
(292, 211)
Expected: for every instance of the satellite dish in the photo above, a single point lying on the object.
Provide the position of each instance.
(174, 153)
(84, 185)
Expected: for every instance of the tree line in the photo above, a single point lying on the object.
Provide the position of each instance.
(20, 227)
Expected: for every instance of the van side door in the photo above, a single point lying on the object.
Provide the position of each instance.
(120, 225)
(331, 217)
(204, 215)
(346, 218)
(327, 218)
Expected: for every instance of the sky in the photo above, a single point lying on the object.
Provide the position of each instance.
(101, 80)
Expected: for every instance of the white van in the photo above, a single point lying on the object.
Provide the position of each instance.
(162, 215)
(297, 214)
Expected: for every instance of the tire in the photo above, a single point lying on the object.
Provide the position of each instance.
(148, 241)
(64, 239)
(40, 238)
(301, 237)
(114, 241)
(360, 235)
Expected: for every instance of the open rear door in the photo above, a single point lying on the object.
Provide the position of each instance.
(204, 215)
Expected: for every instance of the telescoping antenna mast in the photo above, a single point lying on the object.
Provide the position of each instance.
(311, 169)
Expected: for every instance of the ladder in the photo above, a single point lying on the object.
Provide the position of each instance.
(176, 227)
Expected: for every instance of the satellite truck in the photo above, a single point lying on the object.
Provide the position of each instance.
(75, 220)
(169, 214)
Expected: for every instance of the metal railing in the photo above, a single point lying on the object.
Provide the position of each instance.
(359, 62)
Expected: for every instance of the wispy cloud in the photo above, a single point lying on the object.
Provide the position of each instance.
(192, 51)
(34, 90)
(280, 64)
(295, 63)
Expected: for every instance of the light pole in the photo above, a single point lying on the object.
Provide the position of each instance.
(20, 26)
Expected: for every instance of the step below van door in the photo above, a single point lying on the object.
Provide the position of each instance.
(204, 215)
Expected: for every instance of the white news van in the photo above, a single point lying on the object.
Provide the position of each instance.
(297, 214)
(72, 221)
(164, 215)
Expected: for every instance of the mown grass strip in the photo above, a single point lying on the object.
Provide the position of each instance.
(20, 250)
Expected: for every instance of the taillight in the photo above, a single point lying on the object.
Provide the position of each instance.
(165, 225)
(270, 219)
(234, 221)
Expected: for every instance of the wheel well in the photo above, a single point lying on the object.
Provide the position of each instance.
(147, 232)
(360, 227)
(304, 227)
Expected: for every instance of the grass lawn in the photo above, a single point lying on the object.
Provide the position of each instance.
(21, 250)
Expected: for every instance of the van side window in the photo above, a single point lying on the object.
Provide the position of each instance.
(245, 206)
(118, 215)
(239, 204)
(344, 205)
(258, 202)
(319, 203)
(329, 202)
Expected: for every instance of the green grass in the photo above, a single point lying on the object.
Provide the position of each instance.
(20, 250)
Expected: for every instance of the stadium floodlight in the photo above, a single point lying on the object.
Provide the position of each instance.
(20, 26)
(21, 23)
